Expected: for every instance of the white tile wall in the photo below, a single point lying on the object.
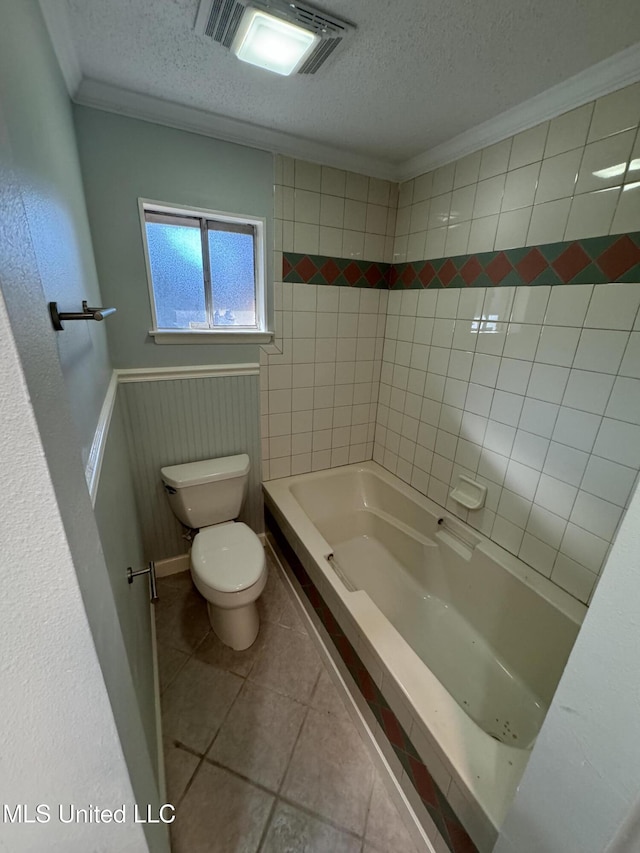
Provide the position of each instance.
(319, 382)
(574, 177)
(319, 386)
(324, 211)
(541, 404)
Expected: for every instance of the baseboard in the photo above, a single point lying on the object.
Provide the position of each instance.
(162, 779)
(172, 566)
(392, 785)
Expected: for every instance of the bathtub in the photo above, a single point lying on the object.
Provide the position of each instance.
(466, 641)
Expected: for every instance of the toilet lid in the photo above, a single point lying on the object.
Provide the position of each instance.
(227, 557)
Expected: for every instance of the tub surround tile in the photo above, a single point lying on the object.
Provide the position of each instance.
(342, 272)
(596, 260)
(550, 412)
(546, 215)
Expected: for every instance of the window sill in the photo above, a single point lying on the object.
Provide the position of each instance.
(207, 336)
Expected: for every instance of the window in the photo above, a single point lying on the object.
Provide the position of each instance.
(206, 274)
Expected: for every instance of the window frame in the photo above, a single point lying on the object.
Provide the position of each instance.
(229, 334)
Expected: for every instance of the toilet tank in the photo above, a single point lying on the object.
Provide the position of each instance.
(207, 492)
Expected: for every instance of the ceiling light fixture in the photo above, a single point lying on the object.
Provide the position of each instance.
(271, 43)
(284, 36)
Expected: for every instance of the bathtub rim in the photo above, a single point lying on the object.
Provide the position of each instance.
(445, 726)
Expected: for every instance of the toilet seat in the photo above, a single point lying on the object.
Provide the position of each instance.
(227, 557)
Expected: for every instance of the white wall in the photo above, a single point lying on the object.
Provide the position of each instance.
(582, 779)
(38, 189)
(39, 129)
(58, 738)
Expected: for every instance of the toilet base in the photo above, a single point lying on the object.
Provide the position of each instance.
(237, 627)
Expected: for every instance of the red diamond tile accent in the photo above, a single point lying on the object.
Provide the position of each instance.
(330, 624)
(373, 275)
(532, 265)
(471, 270)
(408, 275)
(618, 258)
(393, 277)
(571, 262)
(426, 275)
(447, 272)
(306, 269)
(423, 782)
(392, 728)
(344, 647)
(460, 841)
(330, 271)
(499, 268)
(366, 685)
(352, 273)
(286, 266)
(314, 597)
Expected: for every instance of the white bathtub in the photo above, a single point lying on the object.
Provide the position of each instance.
(471, 642)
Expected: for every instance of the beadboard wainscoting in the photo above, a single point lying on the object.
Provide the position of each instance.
(180, 420)
(121, 537)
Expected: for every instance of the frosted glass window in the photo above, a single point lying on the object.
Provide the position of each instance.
(205, 273)
(175, 259)
(232, 264)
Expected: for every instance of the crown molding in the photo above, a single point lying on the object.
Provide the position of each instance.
(56, 19)
(601, 79)
(104, 96)
(605, 77)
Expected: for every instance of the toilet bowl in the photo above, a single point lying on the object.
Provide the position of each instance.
(228, 569)
(227, 562)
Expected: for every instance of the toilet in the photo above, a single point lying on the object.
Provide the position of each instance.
(227, 562)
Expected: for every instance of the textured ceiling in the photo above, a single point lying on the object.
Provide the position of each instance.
(414, 75)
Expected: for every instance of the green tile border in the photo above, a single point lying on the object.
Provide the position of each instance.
(594, 260)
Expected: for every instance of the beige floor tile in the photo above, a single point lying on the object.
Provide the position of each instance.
(294, 831)
(179, 766)
(220, 814)
(182, 621)
(274, 596)
(290, 618)
(385, 828)
(331, 772)
(213, 651)
(288, 664)
(259, 734)
(326, 698)
(195, 704)
(170, 662)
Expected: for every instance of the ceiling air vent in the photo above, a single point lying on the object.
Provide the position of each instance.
(219, 20)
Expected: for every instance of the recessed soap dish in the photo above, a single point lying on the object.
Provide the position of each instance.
(468, 493)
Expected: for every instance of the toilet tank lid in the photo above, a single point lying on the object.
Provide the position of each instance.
(205, 471)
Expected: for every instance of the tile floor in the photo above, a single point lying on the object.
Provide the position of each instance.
(260, 752)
